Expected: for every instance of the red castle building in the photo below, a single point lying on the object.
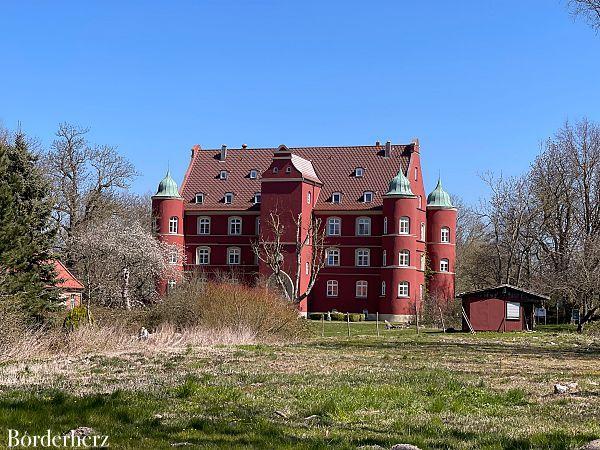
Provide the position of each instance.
(381, 233)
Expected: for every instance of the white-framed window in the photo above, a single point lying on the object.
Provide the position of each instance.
(361, 289)
(423, 261)
(444, 265)
(404, 258)
(199, 198)
(173, 224)
(308, 197)
(513, 310)
(384, 258)
(203, 225)
(416, 173)
(235, 226)
(275, 170)
(367, 196)
(334, 226)
(445, 234)
(363, 257)
(203, 256)
(404, 225)
(228, 198)
(253, 174)
(336, 197)
(332, 288)
(257, 198)
(171, 285)
(223, 175)
(363, 226)
(306, 268)
(382, 288)
(422, 231)
(173, 256)
(233, 256)
(288, 169)
(403, 289)
(257, 226)
(332, 256)
(359, 172)
(420, 202)
(385, 225)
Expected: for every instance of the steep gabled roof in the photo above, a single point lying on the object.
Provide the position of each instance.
(333, 166)
(66, 280)
(502, 290)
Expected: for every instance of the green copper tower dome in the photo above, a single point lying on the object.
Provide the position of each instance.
(167, 187)
(439, 198)
(400, 186)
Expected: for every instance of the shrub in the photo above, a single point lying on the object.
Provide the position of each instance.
(315, 316)
(356, 317)
(75, 317)
(338, 316)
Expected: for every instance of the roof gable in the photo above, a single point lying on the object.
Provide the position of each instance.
(65, 279)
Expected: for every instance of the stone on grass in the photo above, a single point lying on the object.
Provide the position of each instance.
(560, 388)
(594, 445)
(405, 447)
(82, 431)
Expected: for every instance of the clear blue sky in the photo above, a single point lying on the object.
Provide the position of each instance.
(479, 82)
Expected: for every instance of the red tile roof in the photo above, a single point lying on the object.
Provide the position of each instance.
(66, 280)
(334, 166)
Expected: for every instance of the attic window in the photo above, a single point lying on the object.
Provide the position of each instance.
(223, 175)
(275, 170)
(288, 169)
(253, 174)
(228, 199)
(336, 197)
(199, 198)
(257, 198)
(367, 196)
(359, 172)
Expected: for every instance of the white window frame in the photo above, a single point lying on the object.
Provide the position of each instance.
(385, 225)
(359, 172)
(423, 231)
(335, 253)
(233, 252)
(404, 225)
(275, 170)
(253, 174)
(173, 224)
(364, 224)
(332, 288)
(362, 257)
(382, 292)
(444, 262)
(404, 289)
(288, 169)
(423, 261)
(368, 197)
(173, 256)
(384, 258)
(223, 175)
(336, 198)
(362, 289)
(445, 235)
(203, 222)
(206, 252)
(234, 229)
(199, 196)
(334, 222)
(404, 258)
(308, 197)
(228, 198)
(257, 198)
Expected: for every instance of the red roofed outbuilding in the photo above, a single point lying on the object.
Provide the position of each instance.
(70, 287)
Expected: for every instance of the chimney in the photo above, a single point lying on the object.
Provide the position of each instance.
(388, 149)
(195, 149)
(223, 152)
(377, 143)
(244, 145)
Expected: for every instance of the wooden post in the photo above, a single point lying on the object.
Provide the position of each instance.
(417, 317)
(348, 319)
(377, 320)
(322, 325)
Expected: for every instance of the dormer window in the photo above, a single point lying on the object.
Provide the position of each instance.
(228, 199)
(253, 174)
(276, 170)
(367, 196)
(336, 197)
(199, 198)
(257, 198)
(223, 175)
(288, 169)
(359, 172)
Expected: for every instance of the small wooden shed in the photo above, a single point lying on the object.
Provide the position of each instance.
(500, 308)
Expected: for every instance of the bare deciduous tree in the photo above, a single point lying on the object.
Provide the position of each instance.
(588, 9)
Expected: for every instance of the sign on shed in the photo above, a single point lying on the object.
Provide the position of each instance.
(513, 310)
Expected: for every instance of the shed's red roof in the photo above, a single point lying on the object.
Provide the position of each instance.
(66, 280)
(334, 166)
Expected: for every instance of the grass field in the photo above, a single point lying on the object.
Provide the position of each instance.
(434, 390)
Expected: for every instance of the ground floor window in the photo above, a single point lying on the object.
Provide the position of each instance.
(332, 288)
(233, 256)
(361, 289)
(403, 289)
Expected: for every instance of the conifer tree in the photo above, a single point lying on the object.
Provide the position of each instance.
(26, 238)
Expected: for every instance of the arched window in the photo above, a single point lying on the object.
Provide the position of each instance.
(445, 234)
(288, 169)
(235, 226)
(423, 260)
(420, 202)
(228, 198)
(422, 231)
(361, 289)
(306, 268)
(203, 225)
(334, 226)
(385, 225)
(363, 226)
(233, 256)
(203, 256)
(444, 265)
(383, 288)
(404, 258)
(384, 258)
(332, 288)
(308, 197)
(363, 257)
(404, 225)
(332, 256)
(173, 225)
(403, 289)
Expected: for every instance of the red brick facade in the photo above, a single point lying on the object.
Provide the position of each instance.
(377, 243)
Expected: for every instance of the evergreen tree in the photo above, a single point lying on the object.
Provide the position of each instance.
(27, 274)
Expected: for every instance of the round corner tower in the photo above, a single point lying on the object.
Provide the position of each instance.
(167, 214)
(400, 272)
(441, 244)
